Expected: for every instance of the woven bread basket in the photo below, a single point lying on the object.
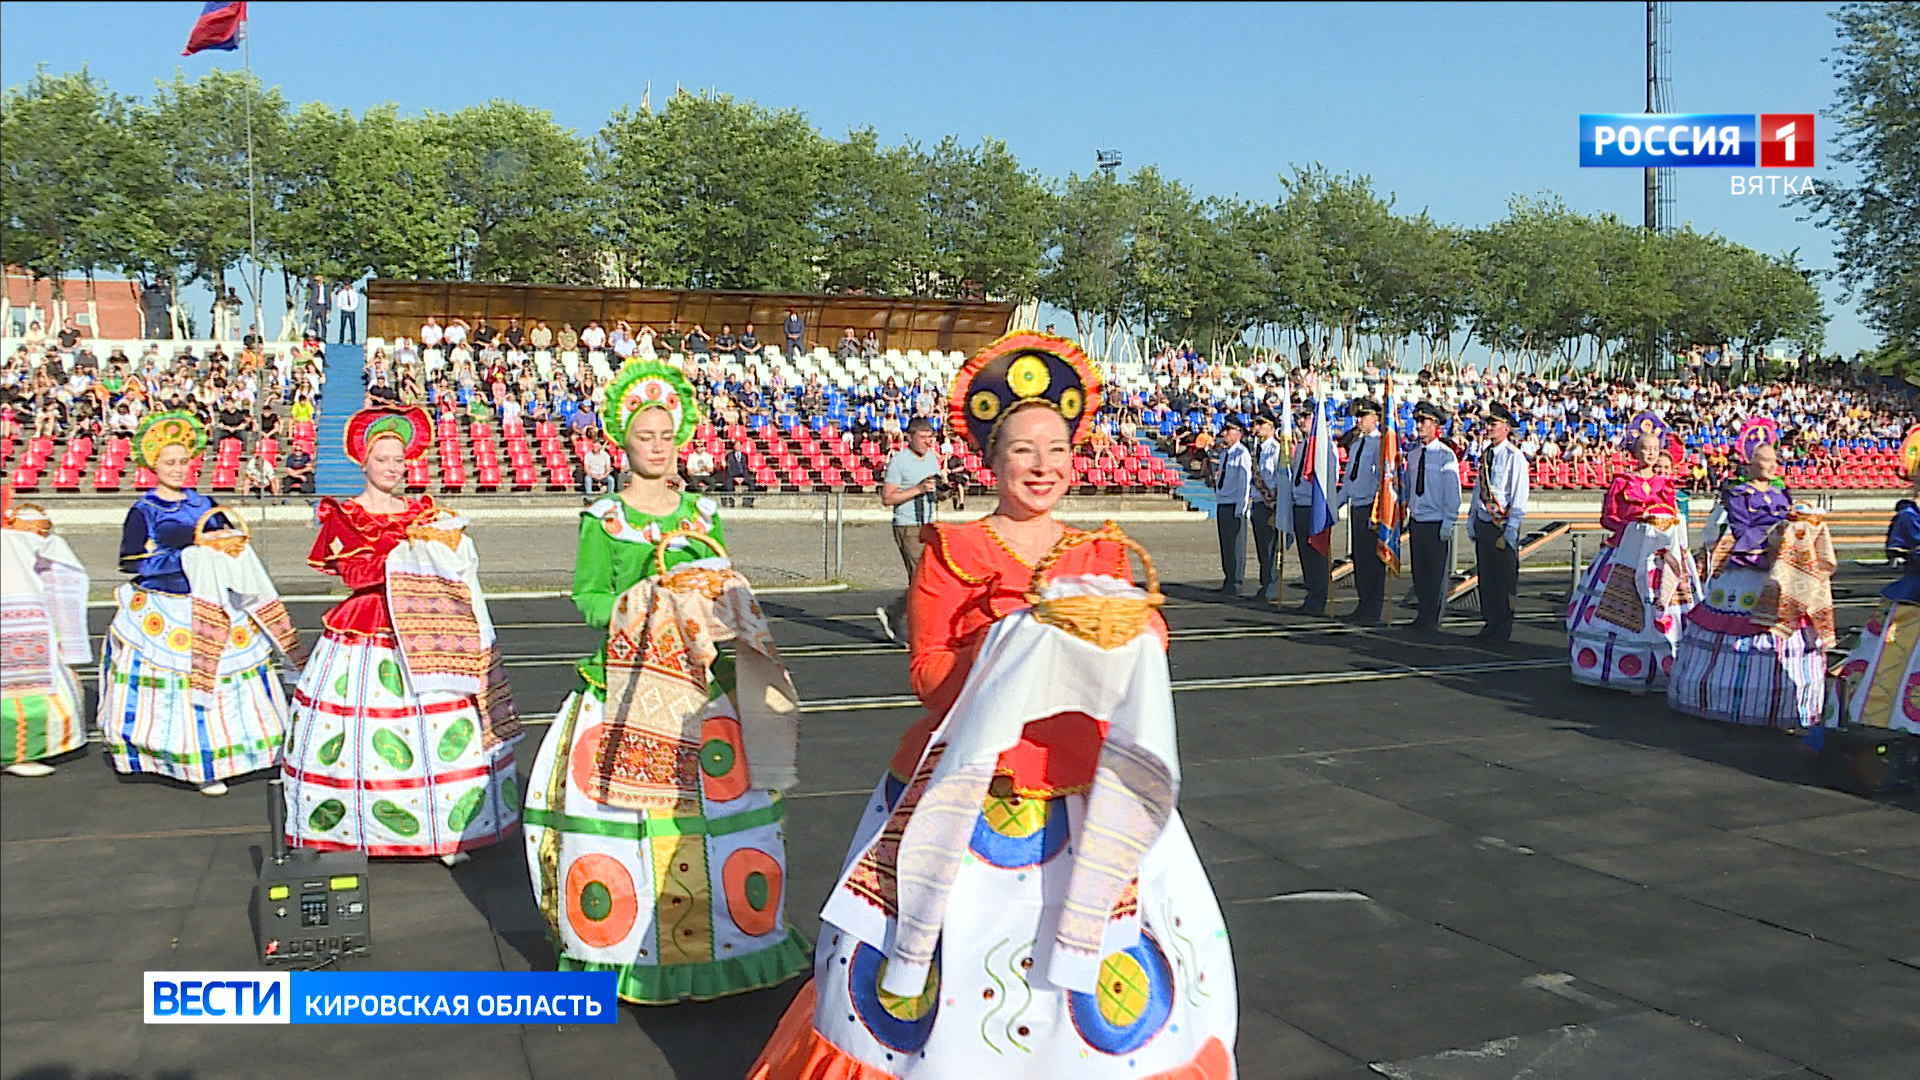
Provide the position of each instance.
(690, 578)
(422, 529)
(36, 522)
(226, 543)
(1104, 621)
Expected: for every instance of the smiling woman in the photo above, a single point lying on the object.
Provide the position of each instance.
(987, 919)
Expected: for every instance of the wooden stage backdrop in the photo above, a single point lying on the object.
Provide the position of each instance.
(397, 308)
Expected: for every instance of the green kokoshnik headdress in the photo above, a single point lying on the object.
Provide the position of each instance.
(649, 384)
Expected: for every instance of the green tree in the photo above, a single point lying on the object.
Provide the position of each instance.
(872, 236)
(520, 185)
(713, 193)
(985, 220)
(1876, 216)
(71, 188)
(1084, 270)
(196, 139)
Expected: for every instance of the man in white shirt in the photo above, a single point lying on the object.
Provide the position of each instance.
(1359, 484)
(1499, 508)
(593, 339)
(456, 334)
(1430, 490)
(1268, 461)
(346, 301)
(430, 334)
(1233, 494)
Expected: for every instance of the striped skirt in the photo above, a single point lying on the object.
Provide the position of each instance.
(42, 724)
(1731, 670)
(148, 714)
(373, 766)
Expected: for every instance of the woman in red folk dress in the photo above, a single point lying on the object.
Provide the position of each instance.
(1021, 899)
(403, 727)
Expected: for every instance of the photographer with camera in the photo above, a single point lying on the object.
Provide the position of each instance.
(912, 487)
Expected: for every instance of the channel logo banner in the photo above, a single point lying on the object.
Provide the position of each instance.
(380, 997)
(1670, 140)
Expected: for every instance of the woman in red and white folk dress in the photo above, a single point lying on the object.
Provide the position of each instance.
(375, 761)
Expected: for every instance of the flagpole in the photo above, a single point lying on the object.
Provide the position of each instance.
(255, 280)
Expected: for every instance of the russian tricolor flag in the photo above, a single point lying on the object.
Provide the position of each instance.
(1318, 469)
(218, 27)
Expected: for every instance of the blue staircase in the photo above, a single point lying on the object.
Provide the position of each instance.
(1198, 494)
(346, 390)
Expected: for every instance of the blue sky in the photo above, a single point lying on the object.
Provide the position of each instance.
(1452, 107)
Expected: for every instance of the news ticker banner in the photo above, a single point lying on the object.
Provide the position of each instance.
(1696, 140)
(380, 997)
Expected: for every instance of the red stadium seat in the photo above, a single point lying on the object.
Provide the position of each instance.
(107, 478)
(417, 477)
(486, 477)
(66, 478)
(524, 478)
(143, 478)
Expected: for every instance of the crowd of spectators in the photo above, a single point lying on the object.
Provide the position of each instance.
(61, 388)
(1820, 405)
(525, 373)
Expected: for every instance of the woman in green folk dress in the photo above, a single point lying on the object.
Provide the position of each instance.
(657, 858)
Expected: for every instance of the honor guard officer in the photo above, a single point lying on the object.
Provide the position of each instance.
(1430, 490)
(1269, 463)
(1233, 494)
(1359, 484)
(1315, 568)
(1499, 507)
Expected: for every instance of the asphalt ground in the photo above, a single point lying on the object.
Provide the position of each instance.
(1436, 860)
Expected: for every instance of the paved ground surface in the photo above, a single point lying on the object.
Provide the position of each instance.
(1436, 861)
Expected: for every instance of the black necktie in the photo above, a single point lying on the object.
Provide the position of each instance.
(1420, 473)
(1353, 466)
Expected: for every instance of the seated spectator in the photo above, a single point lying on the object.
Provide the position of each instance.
(299, 468)
(540, 337)
(596, 467)
(725, 344)
(643, 343)
(259, 479)
(672, 339)
(567, 340)
(232, 422)
(749, 341)
(699, 469)
(870, 348)
(849, 346)
(593, 338)
(697, 343)
(513, 335)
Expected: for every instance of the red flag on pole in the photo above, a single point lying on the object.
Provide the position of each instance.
(218, 27)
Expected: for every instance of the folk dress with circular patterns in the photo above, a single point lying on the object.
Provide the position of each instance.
(1881, 676)
(680, 906)
(1164, 1004)
(147, 711)
(1624, 622)
(372, 765)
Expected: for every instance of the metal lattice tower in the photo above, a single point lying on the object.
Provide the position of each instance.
(1659, 204)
